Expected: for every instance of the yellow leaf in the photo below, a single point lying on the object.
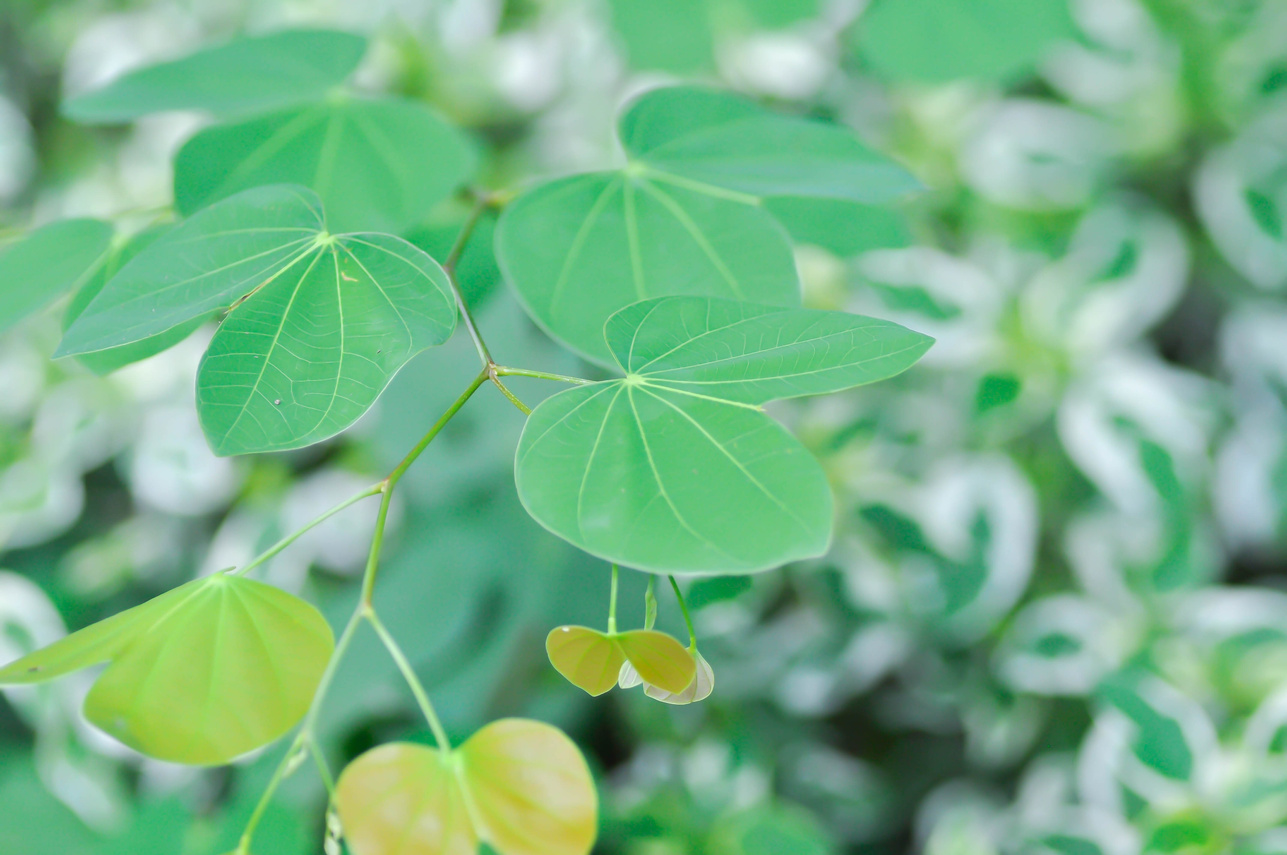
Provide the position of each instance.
(588, 658)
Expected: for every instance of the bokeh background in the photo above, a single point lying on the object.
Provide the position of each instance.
(1054, 617)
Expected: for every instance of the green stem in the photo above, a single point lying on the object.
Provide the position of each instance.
(323, 768)
(650, 602)
(437, 426)
(612, 602)
(683, 607)
(506, 371)
(294, 536)
(409, 674)
(513, 399)
(449, 267)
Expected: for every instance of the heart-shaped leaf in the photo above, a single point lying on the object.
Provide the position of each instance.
(242, 76)
(319, 323)
(520, 786)
(684, 217)
(200, 675)
(40, 267)
(592, 660)
(675, 469)
(699, 689)
(378, 164)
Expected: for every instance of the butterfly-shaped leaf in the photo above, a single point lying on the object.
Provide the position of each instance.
(241, 76)
(592, 660)
(699, 689)
(377, 164)
(934, 41)
(318, 323)
(675, 468)
(520, 786)
(684, 217)
(45, 264)
(199, 675)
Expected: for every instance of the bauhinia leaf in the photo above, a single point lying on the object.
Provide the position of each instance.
(318, 323)
(520, 786)
(685, 215)
(48, 262)
(243, 76)
(200, 675)
(592, 660)
(675, 469)
(377, 164)
(698, 690)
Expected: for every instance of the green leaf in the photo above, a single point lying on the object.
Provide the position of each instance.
(46, 263)
(935, 41)
(675, 469)
(684, 217)
(107, 361)
(319, 323)
(520, 786)
(592, 660)
(718, 139)
(578, 249)
(842, 227)
(378, 164)
(200, 675)
(246, 75)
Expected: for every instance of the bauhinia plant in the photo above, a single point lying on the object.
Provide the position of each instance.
(670, 272)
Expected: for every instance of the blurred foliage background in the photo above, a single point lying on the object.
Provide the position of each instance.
(1054, 618)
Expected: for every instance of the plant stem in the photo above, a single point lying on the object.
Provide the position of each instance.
(683, 607)
(650, 602)
(513, 399)
(409, 674)
(612, 602)
(506, 371)
(433, 431)
(323, 768)
(449, 267)
(291, 538)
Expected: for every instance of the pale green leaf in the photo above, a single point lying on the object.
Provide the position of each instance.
(246, 75)
(934, 41)
(674, 469)
(45, 264)
(592, 660)
(377, 164)
(578, 249)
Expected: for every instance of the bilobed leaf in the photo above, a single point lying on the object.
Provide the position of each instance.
(934, 41)
(718, 139)
(377, 164)
(699, 689)
(685, 216)
(200, 675)
(675, 469)
(246, 75)
(107, 361)
(48, 262)
(520, 786)
(578, 249)
(592, 660)
(318, 323)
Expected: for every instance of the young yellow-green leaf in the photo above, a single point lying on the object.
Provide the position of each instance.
(698, 690)
(230, 668)
(530, 789)
(520, 786)
(107, 361)
(718, 139)
(586, 657)
(592, 660)
(404, 799)
(935, 41)
(675, 469)
(377, 164)
(318, 324)
(201, 674)
(245, 75)
(578, 249)
(40, 267)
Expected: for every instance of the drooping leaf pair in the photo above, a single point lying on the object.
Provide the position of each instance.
(683, 217)
(378, 164)
(593, 660)
(317, 323)
(520, 786)
(703, 683)
(675, 468)
(201, 674)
